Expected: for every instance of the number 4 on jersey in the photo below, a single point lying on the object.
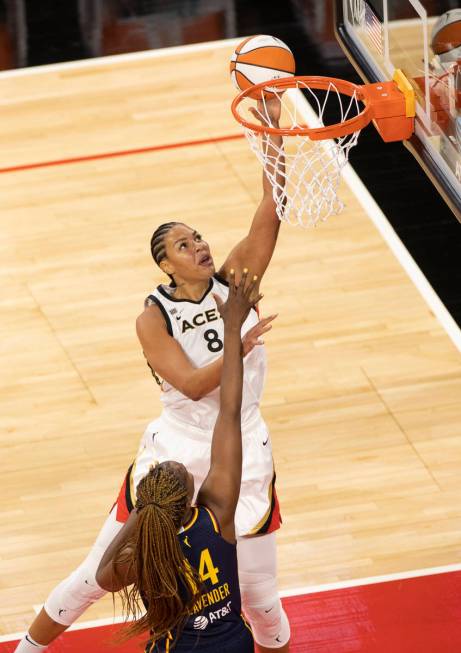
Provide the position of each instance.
(207, 570)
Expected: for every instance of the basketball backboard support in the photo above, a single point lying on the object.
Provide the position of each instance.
(380, 36)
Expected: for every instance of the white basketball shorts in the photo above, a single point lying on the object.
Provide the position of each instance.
(168, 439)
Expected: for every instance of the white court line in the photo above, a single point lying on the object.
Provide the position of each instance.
(96, 62)
(403, 256)
(378, 218)
(380, 221)
(372, 580)
(350, 176)
(298, 591)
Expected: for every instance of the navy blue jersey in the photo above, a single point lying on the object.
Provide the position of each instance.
(216, 620)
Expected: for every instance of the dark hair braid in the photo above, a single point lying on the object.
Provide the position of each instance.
(157, 242)
(165, 581)
(158, 251)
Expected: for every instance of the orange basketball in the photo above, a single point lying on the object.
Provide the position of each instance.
(446, 36)
(259, 59)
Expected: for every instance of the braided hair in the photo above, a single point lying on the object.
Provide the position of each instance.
(158, 251)
(165, 582)
(157, 243)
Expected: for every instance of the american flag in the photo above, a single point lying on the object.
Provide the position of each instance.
(374, 29)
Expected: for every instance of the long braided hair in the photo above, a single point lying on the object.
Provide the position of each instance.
(165, 582)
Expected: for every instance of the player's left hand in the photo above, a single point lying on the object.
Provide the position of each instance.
(252, 338)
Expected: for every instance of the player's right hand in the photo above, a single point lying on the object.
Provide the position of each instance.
(241, 298)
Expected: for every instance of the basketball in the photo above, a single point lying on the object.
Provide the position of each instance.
(446, 36)
(260, 59)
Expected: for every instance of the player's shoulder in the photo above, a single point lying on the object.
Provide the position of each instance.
(207, 518)
(153, 317)
(201, 517)
(220, 284)
(220, 278)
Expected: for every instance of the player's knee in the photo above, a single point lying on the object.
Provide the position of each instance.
(263, 609)
(69, 600)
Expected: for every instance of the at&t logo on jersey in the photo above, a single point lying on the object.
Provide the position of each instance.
(221, 612)
(200, 623)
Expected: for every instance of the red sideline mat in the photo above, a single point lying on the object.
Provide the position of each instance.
(413, 615)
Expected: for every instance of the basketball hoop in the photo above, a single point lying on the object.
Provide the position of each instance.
(305, 169)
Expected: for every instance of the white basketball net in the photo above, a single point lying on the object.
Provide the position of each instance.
(305, 174)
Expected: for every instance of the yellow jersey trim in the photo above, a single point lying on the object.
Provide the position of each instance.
(213, 520)
(266, 516)
(132, 487)
(246, 623)
(192, 520)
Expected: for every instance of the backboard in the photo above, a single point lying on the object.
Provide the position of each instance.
(380, 36)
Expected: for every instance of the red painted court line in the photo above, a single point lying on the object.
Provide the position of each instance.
(110, 155)
(421, 614)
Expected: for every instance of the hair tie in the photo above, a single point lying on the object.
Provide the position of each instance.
(150, 503)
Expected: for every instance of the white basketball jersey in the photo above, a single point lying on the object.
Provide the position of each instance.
(199, 329)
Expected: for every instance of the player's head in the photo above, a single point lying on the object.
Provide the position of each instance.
(168, 487)
(181, 253)
(167, 583)
(182, 475)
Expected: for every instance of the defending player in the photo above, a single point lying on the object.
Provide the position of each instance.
(182, 559)
(182, 335)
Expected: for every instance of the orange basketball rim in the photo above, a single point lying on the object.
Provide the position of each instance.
(304, 165)
(389, 105)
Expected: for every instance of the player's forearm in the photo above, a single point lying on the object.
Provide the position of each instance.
(203, 380)
(273, 146)
(232, 373)
(113, 577)
(226, 446)
(110, 575)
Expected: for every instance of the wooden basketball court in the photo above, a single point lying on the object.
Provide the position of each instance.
(362, 396)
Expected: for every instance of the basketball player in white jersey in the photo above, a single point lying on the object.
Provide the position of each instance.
(182, 337)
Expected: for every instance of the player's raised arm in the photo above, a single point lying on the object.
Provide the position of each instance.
(220, 490)
(256, 249)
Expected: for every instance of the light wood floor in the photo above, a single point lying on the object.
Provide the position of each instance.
(364, 386)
